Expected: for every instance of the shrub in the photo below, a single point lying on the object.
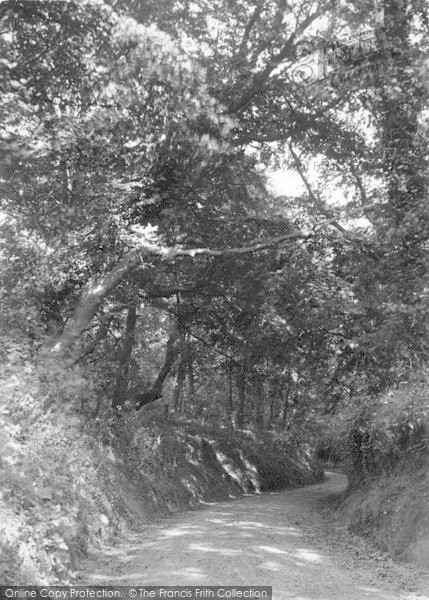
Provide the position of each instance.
(389, 428)
(49, 481)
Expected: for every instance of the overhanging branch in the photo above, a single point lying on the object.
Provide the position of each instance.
(96, 291)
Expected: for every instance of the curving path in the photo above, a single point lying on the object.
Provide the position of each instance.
(278, 539)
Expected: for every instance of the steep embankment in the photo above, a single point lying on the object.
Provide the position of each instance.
(393, 510)
(68, 488)
(382, 443)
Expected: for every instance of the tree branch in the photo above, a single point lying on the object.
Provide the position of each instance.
(260, 78)
(251, 23)
(316, 200)
(213, 347)
(95, 291)
(155, 392)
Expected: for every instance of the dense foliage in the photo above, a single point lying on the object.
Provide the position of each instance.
(147, 262)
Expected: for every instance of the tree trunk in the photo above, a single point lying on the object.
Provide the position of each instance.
(286, 394)
(93, 294)
(191, 380)
(155, 392)
(122, 376)
(260, 401)
(230, 398)
(241, 384)
(177, 400)
(405, 159)
(272, 391)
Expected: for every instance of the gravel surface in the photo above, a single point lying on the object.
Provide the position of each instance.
(288, 540)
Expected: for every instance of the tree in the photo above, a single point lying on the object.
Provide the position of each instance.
(134, 157)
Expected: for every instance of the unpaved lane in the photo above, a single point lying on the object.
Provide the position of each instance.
(272, 539)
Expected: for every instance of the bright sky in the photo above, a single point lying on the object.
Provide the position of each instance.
(286, 183)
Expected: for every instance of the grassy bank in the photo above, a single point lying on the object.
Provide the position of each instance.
(393, 510)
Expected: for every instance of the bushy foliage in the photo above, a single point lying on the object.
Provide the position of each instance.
(385, 432)
(400, 427)
(51, 486)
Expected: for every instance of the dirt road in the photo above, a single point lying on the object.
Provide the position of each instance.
(278, 539)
